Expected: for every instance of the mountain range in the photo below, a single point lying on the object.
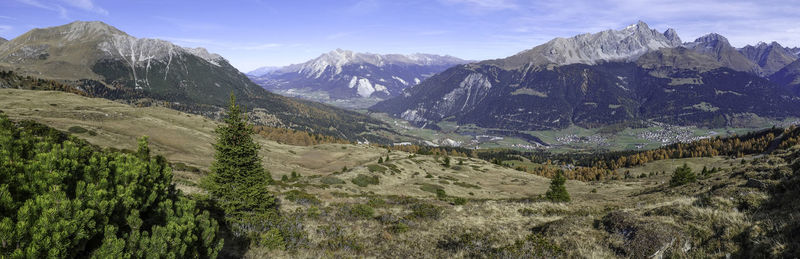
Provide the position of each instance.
(609, 77)
(105, 62)
(344, 74)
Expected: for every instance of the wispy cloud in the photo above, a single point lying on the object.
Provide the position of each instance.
(338, 35)
(433, 32)
(482, 6)
(363, 7)
(62, 12)
(191, 25)
(261, 46)
(58, 6)
(86, 5)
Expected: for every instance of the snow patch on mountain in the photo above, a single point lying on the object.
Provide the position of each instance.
(365, 88)
(400, 80)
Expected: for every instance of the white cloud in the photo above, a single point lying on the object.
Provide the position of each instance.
(86, 5)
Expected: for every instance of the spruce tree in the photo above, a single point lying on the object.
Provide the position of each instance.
(238, 180)
(558, 192)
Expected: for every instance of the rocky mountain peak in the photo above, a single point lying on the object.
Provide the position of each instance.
(770, 57)
(591, 48)
(673, 37)
(338, 58)
(713, 38)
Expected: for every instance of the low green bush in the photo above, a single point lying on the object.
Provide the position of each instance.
(364, 180)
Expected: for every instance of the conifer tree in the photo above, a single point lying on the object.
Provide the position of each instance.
(238, 180)
(682, 175)
(558, 192)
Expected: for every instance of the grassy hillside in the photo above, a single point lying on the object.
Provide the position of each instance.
(413, 206)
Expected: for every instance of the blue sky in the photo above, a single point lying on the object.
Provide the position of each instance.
(254, 33)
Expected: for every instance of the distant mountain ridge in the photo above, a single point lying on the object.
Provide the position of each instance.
(344, 74)
(610, 45)
(770, 57)
(106, 62)
(614, 76)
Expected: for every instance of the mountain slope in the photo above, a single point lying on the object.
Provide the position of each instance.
(673, 85)
(718, 47)
(106, 62)
(789, 76)
(3, 40)
(770, 57)
(262, 71)
(344, 74)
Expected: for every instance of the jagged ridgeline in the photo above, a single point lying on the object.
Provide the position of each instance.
(106, 62)
(614, 76)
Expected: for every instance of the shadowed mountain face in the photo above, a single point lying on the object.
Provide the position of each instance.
(3, 40)
(789, 76)
(344, 74)
(770, 57)
(705, 83)
(107, 62)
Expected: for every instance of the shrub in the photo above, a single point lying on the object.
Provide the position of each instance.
(376, 202)
(682, 175)
(398, 227)
(272, 239)
(467, 185)
(363, 180)
(60, 197)
(432, 188)
(362, 211)
(77, 130)
(376, 168)
(424, 211)
(336, 239)
(302, 197)
(331, 180)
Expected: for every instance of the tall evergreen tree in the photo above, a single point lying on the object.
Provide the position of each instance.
(238, 180)
(558, 192)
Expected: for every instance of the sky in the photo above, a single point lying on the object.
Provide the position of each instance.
(255, 33)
